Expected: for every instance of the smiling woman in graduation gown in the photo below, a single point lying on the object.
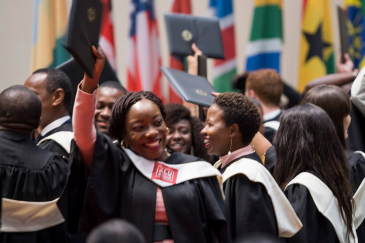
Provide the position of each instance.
(166, 197)
(253, 200)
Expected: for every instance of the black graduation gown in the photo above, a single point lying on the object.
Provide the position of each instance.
(357, 168)
(28, 173)
(116, 189)
(316, 227)
(270, 159)
(356, 130)
(269, 132)
(53, 146)
(248, 205)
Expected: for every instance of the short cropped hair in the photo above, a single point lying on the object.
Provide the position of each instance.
(267, 85)
(116, 231)
(19, 108)
(239, 109)
(114, 85)
(57, 79)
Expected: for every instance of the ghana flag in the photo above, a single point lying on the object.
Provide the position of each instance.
(264, 48)
(355, 25)
(316, 48)
(49, 29)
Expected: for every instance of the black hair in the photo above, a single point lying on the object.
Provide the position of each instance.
(116, 231)
(176, 113)
(20, 108)
(121, 107)
(307, 140)
(57, 79)
(114, 85)
(334, 101)
(239, 109)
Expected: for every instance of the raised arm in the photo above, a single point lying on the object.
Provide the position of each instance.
(84, 110)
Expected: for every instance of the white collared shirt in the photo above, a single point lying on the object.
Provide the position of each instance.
(54, 125)
(271, 114)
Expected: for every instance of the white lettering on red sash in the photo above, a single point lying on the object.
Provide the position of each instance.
(164, 173)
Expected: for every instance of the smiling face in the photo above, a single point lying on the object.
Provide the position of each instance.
(216, 133)
(146, 130)
(106, 97)
(179, 138)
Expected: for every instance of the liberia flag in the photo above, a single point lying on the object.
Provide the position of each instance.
(144, 62)
(178, 62)
(106, 40)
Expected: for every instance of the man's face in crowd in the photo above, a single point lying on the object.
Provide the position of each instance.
(106, 97)
(38, 84)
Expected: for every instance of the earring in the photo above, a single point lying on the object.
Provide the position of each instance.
(124, 144)
(167, 131)
(253, 148)
(230, 148)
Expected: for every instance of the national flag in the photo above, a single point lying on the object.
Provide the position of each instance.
(178, 62)
(144, 62)
(49, 30)
(265, 45)
(106, 40)
(356, 25)
(224, 70)
(316, 49)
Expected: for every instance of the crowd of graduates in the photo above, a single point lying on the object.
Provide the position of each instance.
(127, 168)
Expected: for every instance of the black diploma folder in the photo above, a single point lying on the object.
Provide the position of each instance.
(184, 30)
(83, 32)
(191, 88)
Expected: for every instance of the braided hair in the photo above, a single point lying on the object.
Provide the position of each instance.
(176, 113)
(121, 107)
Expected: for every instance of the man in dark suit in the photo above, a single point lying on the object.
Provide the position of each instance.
(266, 86)
(53, 88)
(31, 179)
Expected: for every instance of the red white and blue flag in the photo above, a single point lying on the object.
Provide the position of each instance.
(224, 70)
(106, 40)
(144, 62)
(178, 62)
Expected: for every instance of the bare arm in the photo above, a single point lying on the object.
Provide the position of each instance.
(261, 144)
(193, 69)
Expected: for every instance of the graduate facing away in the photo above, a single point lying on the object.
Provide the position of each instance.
(164, 195)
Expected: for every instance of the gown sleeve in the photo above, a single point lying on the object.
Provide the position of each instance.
(357, 162)
(270, 159)
(249, 207)
(92, 194)
(358, 94)
(316, 228)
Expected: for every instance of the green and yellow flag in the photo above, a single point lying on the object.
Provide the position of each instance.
(49, 29)
(316, 48)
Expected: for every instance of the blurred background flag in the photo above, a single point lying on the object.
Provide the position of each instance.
(356, 25)
(316, 49)
(265, 45)
(49, 30)
(106, 40)
(224, 70)
(144, 62)
(178, 62)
